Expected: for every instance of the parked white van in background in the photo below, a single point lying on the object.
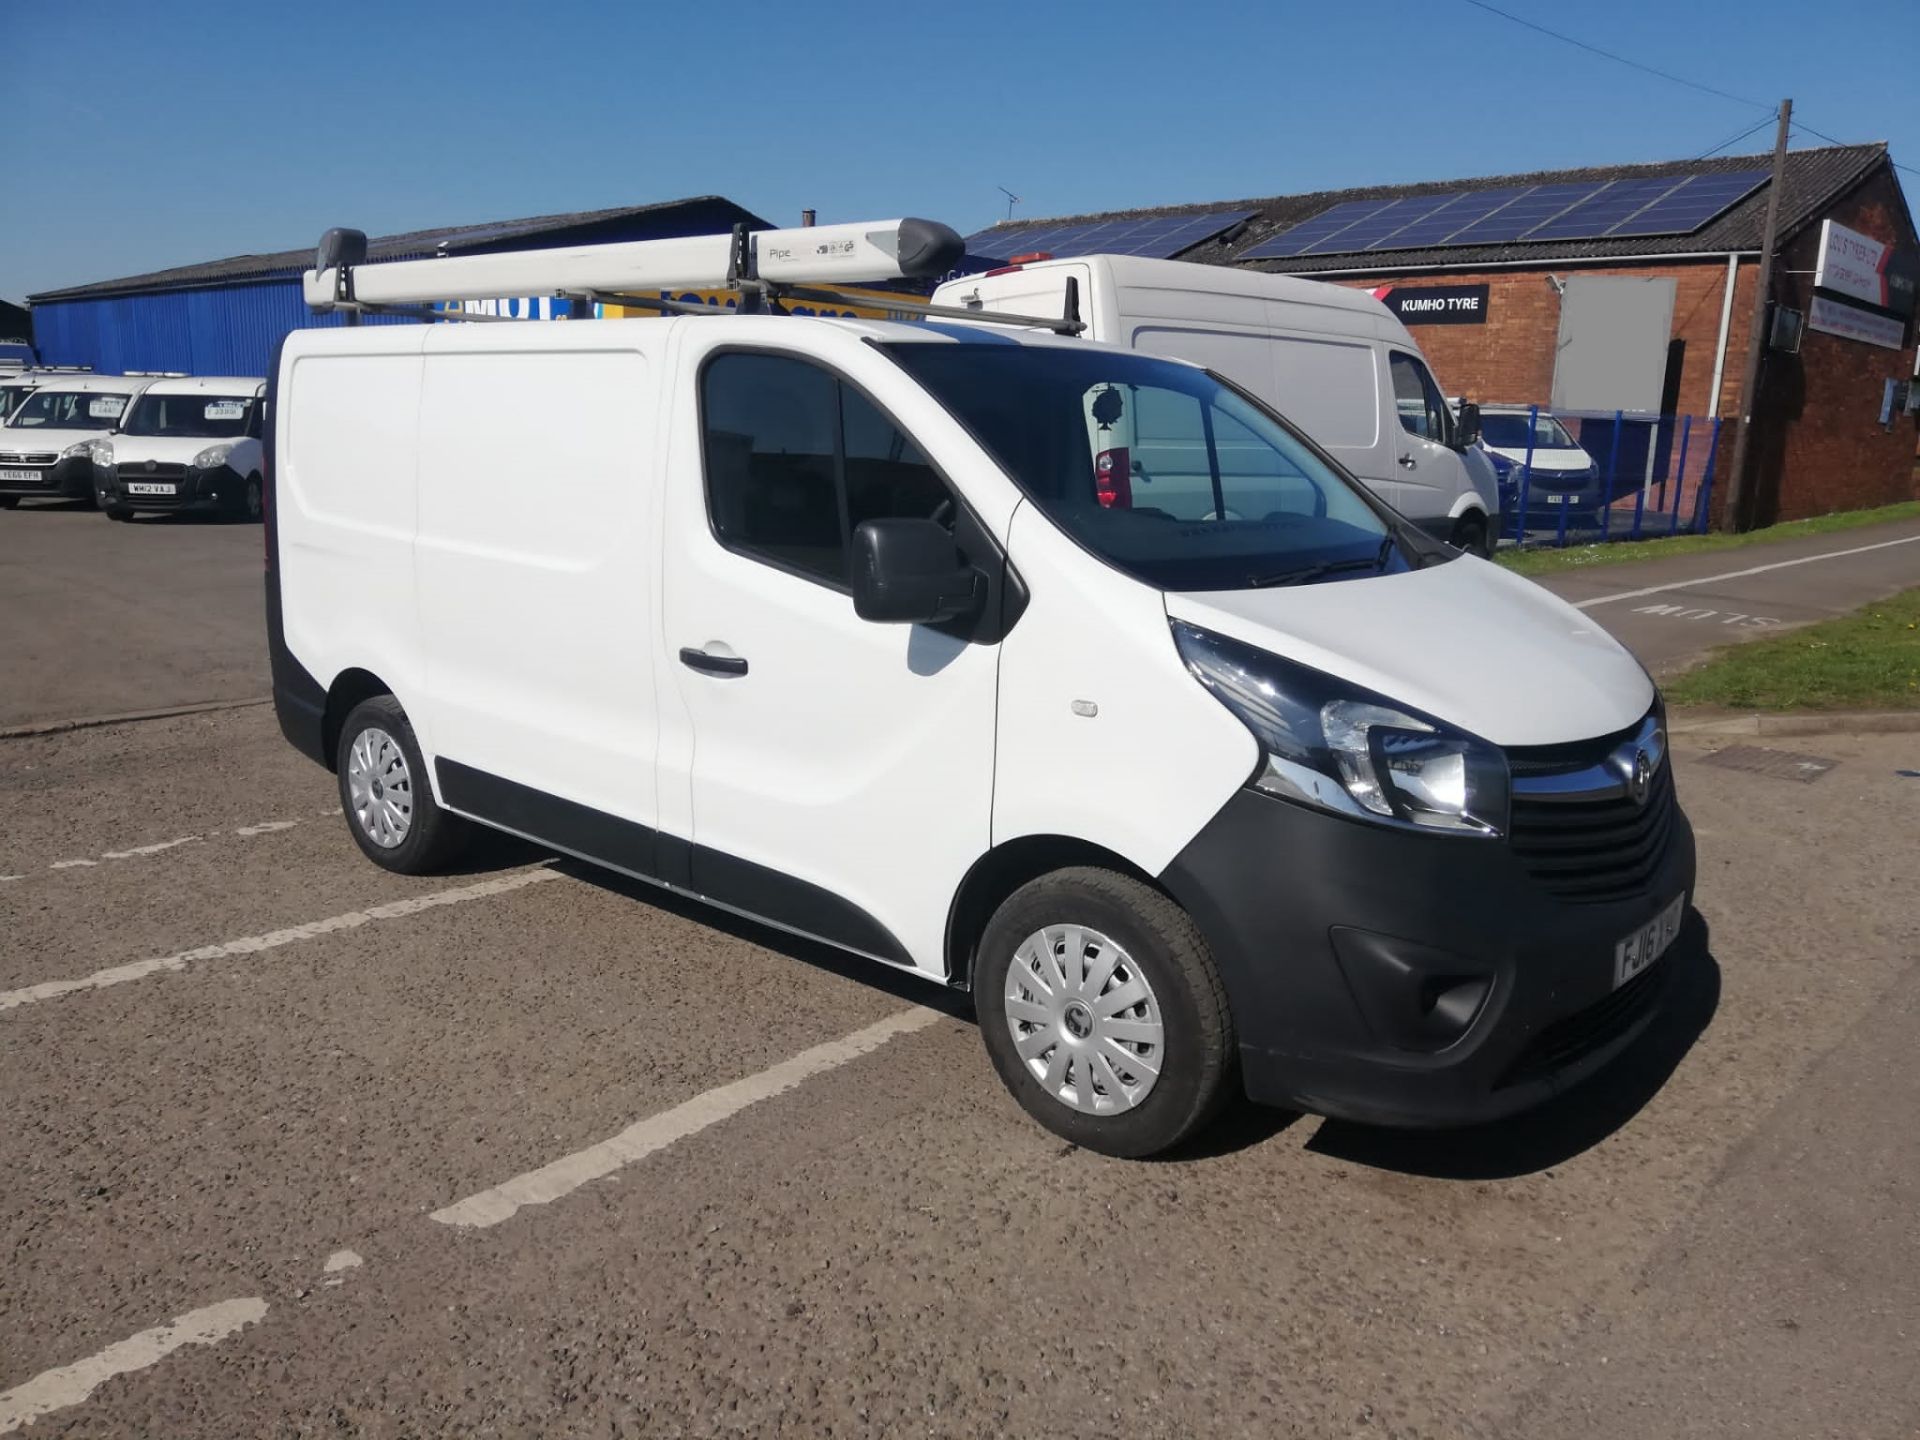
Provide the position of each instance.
(1334, 361)
(835, 624)
(46, 444)
(187, 443)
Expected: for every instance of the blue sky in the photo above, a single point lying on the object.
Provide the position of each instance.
(148, 135)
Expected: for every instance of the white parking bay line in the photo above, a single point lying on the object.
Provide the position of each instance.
(1739, 574)
(564, 1176)
(274, 939)
(71, 1384)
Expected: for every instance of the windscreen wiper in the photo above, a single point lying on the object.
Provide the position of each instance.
(1376, 562)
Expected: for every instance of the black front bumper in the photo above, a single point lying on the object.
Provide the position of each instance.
(1400, 978)
(218, 489)
(67, 479)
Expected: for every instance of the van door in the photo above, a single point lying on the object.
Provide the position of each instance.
(1431, 474)
(840, 771)
(534, 583)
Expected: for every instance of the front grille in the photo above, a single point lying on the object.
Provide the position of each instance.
(1564, 1041)
(38, 457)
(1600, 845)
(156, 470)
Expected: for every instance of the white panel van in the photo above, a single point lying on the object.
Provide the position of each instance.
(187, 443)
(1334, 361)
(47, 443)
(840, 624)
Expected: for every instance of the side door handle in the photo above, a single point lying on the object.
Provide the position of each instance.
(712, 664)
(1408, 462)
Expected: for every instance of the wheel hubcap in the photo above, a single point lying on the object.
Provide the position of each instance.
(1084, 1019)
(380, 787)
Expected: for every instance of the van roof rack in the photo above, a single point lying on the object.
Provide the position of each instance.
(765, 267)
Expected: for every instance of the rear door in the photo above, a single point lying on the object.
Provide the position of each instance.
(839, 772)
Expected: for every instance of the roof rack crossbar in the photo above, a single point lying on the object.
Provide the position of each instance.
(353, 309)
(649, 302)
(1066, 324)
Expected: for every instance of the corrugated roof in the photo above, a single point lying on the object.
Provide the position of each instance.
(1813, 180)
(413, 244)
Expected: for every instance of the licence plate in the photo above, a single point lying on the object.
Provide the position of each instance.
(1557, 499)
(30, 476)
(149, 487)
(1647, 944)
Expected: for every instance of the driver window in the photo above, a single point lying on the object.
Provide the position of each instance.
(796, 459)
(1417, 398)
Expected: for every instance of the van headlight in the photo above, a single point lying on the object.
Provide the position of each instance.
(213, 456)
(1325, 742)
(81, 451)
(102, 453)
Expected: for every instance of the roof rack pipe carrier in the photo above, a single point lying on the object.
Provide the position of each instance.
(815, 254)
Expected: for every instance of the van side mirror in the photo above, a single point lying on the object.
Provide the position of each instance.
(1467, 432)
(910, 572)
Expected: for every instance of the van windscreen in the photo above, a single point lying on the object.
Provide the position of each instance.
(196, 417)
(1158, 468)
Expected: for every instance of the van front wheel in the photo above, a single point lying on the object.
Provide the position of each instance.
(1103, 1013)
(385, 794)
(1470, 534)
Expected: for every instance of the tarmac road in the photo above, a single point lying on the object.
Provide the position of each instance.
(314, 1148)
(1671, 611)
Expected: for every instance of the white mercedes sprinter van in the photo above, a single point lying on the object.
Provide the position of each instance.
(851, 626)
(1334, 361)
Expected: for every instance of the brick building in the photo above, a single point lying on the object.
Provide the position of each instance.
(1819, 440)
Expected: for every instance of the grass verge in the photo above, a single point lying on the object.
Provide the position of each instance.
(1869, 660)
(1577, 557)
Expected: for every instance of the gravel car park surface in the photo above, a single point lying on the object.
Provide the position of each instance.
(266, 1135)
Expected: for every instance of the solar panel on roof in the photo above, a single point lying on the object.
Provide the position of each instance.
(1384, 222)
(1692, 204)
(1574, 210)
(1296, 239)
(1457, 213)
(1602, 210)
(1156, 236)
(1533, 207)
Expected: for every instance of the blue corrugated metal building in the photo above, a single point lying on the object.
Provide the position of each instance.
(226, 316)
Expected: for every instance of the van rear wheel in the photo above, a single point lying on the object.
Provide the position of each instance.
(1103, 1013)
(386, 797)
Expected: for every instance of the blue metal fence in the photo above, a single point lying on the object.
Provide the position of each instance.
(1639, 476)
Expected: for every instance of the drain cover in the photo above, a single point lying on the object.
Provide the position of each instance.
(1781, 764)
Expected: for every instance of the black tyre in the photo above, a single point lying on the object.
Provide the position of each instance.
(386, 796)
(9, 502)
(117, 512)
(1470, 534)
(247, 508)
(1103, 1012)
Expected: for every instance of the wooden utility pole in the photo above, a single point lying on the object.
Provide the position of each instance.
(1738, 486)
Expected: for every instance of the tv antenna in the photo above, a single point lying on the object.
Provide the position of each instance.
(1012, 199)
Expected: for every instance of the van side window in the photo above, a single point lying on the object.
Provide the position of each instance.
(796, 459)
(1417, 398)
(772, 488)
